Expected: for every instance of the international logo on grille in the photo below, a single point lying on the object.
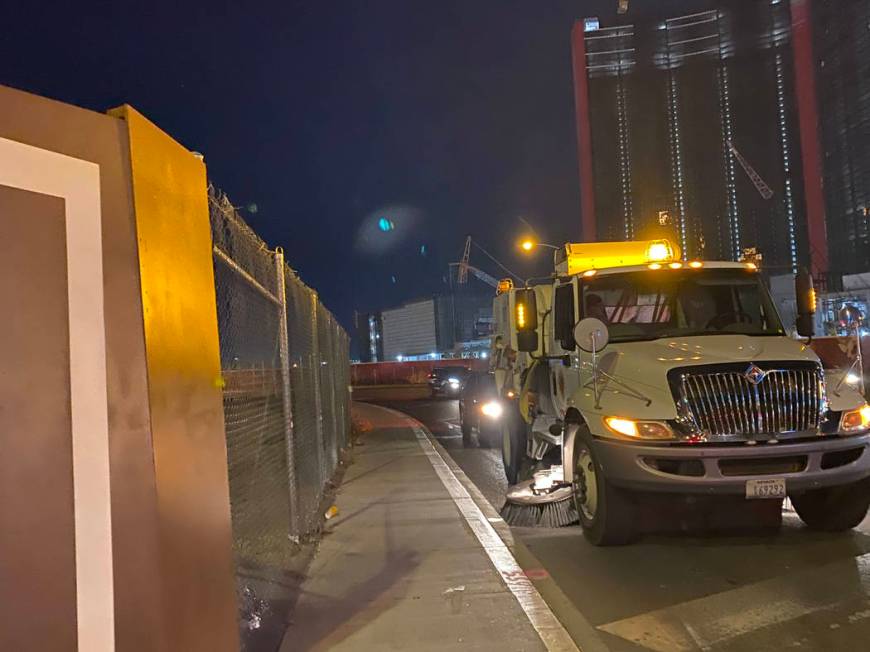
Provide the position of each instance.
(754, 374)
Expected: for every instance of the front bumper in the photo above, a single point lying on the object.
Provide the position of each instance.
(704, 469)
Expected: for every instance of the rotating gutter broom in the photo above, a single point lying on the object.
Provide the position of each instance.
(545, 500)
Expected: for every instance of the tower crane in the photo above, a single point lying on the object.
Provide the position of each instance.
(762, 188)
(464, 267)
(462, 272)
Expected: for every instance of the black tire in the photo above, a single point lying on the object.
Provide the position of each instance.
(513, 446)
(489, 437)
(833, 509)
(608, 519)
(467, 441)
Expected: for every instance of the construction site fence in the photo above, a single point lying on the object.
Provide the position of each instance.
(286, 376)
(834, 352)
(414, 372)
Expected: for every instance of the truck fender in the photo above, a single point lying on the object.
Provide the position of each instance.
(569, 436)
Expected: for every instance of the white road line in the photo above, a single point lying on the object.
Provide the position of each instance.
(548, 627)
(712, 620)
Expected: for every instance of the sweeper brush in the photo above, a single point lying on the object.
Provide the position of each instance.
(528, 506)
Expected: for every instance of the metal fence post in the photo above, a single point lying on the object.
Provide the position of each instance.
(284, 356)
(318, 405)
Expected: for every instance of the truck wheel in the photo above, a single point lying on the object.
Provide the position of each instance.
(466, 435)
(513, 447)
(833, 509)
(490, 437)
(606, 512)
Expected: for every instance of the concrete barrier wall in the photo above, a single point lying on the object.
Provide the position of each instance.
(113, 482)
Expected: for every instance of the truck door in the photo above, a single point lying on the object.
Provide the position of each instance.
(564, 378)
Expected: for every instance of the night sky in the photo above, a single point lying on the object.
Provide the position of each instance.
(448, 118)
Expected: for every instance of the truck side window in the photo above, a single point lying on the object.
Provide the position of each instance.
(563, 320)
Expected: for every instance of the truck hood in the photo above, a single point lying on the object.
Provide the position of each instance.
(710, 349)
(643, 366)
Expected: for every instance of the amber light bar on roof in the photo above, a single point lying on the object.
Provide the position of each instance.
(578, 257)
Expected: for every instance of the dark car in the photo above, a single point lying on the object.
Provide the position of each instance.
(447, 381)
(480, 411)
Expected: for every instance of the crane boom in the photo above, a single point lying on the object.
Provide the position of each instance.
(762, 188)
(479, 273)
(462, 273)
(483, 276)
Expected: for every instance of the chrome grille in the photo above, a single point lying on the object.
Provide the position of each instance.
(728, 403)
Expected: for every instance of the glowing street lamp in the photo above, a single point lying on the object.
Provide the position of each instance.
(528, 244)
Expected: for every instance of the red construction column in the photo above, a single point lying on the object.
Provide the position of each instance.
(805, 88)
(584, 135)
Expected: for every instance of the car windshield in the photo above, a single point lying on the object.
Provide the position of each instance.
(670, 303)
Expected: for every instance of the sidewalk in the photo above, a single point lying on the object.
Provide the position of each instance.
(404, 565)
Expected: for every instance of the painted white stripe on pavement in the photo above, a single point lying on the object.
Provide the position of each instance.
(548, 627)
(712, 620)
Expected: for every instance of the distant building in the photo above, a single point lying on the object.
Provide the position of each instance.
(410, 331)
(663, 104)
(368, 340)
(456, 324)
(841, 40)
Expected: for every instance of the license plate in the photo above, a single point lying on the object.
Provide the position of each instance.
(767, 488)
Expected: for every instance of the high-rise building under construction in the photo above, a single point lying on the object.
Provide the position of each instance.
(698, 126)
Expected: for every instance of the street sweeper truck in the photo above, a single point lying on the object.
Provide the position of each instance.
(633, 372)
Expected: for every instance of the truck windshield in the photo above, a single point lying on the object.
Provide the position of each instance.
(669, 303)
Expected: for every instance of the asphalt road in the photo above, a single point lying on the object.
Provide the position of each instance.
(741, 591)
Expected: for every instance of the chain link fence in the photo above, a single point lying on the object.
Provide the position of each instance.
(285, 367)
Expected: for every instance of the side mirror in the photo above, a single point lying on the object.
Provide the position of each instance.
(526, 315)
(591, 334)
(805, 298)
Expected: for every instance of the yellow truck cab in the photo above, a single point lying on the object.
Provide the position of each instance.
(637, 371)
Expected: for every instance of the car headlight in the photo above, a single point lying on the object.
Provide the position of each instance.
(453, 381)
(492, 409)
(855, 420)
(639, 429)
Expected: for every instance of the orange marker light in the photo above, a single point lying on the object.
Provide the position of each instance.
(659, 250)
(696, 264)
(675, 265)
(654, 266)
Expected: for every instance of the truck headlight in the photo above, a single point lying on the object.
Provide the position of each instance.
(491, 409)
(855, 420)
(639, 429)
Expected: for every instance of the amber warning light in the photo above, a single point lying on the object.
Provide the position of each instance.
(577, 258)
(504, 285)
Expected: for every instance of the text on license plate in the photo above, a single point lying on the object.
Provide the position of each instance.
(766, 488)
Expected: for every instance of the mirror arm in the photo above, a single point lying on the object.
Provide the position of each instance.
(595, 392)
(543, 355)
(629, 391)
